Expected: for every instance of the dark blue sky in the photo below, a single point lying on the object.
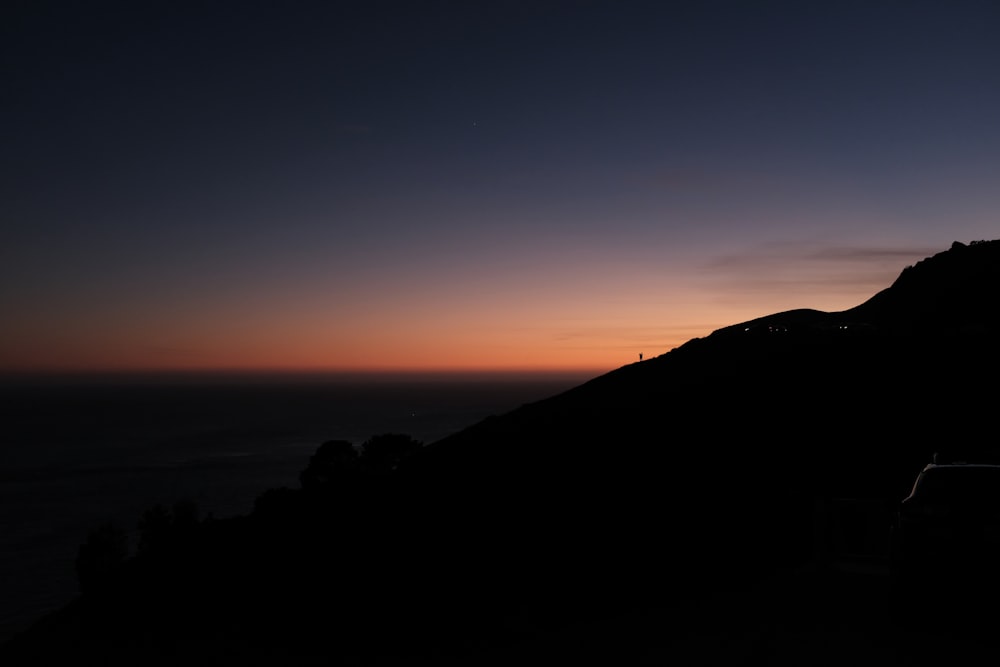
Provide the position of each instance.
(457, 185)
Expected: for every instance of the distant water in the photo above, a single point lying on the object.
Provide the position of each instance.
(76, 452)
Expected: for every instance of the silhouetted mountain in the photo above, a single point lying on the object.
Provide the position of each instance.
(658, 483)
(859, 373)
(952, 292)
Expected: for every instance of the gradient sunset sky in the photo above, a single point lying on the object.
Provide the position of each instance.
(473, 185)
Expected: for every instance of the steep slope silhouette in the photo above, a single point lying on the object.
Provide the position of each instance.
(701, 468)
(952, 292)
(664, 481)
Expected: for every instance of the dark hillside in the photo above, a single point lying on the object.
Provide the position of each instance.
(950, 292)
(695, 472)
(704, 466)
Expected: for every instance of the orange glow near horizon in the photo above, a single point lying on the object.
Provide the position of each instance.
(421, 349)
(505, 351)
(375, 355)
(524, 324)
(565, 208)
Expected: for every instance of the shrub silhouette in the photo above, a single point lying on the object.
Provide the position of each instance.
(162, 529)
(382, 453)
(276, 503)
(335, 461)
(154, 529)
(104, 551)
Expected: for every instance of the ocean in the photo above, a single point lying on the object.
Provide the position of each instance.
(80, 451)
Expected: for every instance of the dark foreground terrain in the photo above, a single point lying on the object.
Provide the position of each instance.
(725, 502)
(819, 614)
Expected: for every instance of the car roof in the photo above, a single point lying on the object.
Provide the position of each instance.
(960, 464)
(966, 458)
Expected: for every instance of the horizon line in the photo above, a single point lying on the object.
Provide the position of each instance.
(298, 373)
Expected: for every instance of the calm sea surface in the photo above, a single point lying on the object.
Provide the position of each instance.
(76, 452)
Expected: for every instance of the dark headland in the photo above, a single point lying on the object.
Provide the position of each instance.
(693, 476)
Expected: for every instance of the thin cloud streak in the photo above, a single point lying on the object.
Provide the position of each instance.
(800, 275)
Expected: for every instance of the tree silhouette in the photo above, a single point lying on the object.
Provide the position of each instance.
(162, 528)
(154, 529)
(100, 556)
(382, 453)
(336, 461)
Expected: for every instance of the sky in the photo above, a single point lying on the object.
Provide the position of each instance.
(538, 185)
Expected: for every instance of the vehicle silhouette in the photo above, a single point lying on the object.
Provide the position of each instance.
(945, 543)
